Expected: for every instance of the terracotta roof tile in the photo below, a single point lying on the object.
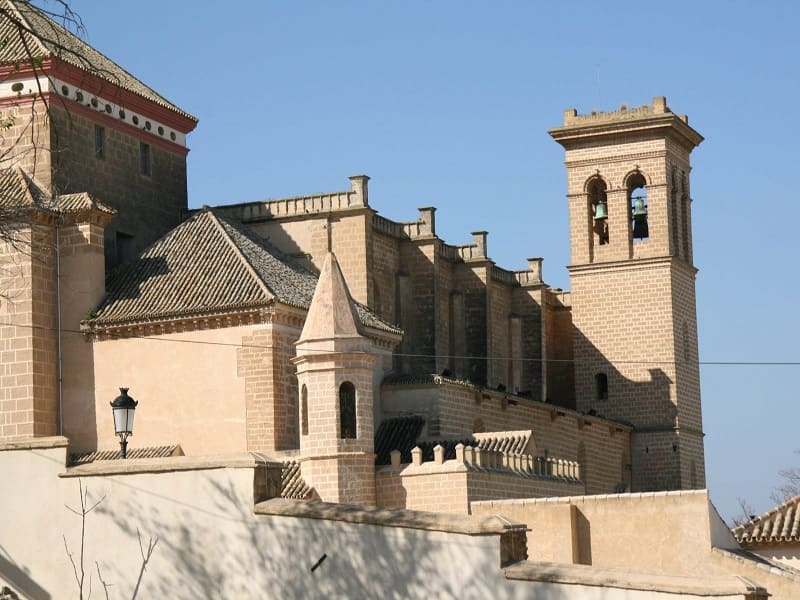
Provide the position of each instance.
(74, 203)
(292, 483)
(781, 524)
(208, 265)
(399, 433)
(42, 38)
(19, 191)
(82, 458)
(402, 433)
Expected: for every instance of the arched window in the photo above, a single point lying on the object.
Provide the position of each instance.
(685, 216)
(347, 411)
(637, 197)
(601, 386)
(304, 410)
(673, 203)
(598, 207)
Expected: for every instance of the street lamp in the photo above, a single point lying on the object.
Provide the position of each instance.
(122, 407)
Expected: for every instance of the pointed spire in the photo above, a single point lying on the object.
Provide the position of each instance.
(332, 322)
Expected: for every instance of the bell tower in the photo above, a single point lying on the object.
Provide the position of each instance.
(633, 284)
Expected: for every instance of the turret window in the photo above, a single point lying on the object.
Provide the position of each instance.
(304, 410)
(347, 411)
(637, 195)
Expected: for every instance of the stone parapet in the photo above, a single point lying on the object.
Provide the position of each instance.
(478, 459)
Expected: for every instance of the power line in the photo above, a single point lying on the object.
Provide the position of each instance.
(742, 363)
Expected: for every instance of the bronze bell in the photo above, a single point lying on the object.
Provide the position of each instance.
(640, 229)
(600, 211)
(639, 208)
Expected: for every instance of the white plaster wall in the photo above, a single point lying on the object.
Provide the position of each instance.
(211, 545)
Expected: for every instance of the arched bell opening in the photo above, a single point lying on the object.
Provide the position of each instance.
(637, 200)
(598, 209)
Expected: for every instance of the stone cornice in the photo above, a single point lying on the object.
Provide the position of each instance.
(388, 517)
(616, 158)
(34, 443)
(273, 314)
(133, 466)
(573, 135)
(633, 264)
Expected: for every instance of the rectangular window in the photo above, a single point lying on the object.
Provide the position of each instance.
(144, 159)
(99, 142)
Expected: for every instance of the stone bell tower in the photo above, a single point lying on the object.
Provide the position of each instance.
(335, 374)
(633, 284)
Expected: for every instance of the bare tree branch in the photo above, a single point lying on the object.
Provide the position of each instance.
(151, 545)
(102, 581)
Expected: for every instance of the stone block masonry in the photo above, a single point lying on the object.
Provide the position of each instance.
(633, 300)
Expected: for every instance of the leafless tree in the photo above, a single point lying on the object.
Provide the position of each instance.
(83, 580)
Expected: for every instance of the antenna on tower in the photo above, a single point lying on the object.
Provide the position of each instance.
(599, 97)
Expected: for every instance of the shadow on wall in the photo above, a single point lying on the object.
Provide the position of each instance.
(218, 548)
(602, 390)
(19, 579)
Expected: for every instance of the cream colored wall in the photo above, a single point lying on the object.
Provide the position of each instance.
(189, 393)
(212, 545)
(620, 530)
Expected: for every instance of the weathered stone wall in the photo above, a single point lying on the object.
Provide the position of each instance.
(149, 206)
(455, 411)
(27, 143)
(28, 344)
(450, 487)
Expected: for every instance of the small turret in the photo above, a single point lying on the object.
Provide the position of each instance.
(336, 371)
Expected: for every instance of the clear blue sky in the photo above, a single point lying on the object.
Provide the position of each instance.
(448, 103)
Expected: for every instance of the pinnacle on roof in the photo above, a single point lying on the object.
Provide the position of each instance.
(332, 316)
(30, 34)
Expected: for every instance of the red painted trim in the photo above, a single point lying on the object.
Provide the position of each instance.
(100, 118)
(94, 84)
(127, 99)
(10, 71)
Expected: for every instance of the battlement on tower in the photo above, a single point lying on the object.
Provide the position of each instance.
(658, 107)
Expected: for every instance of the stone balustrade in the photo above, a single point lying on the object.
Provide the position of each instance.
(477, 459)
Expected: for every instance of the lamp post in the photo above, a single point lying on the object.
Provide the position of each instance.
(123, 407)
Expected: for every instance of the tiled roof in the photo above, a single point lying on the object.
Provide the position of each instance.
(402, 433)
(510, 442)
(292, 483)
(399, 433)
(82, 458)
(43, 38)
(19, 191)
(208, 265)
(781, 524)
(74, 203)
